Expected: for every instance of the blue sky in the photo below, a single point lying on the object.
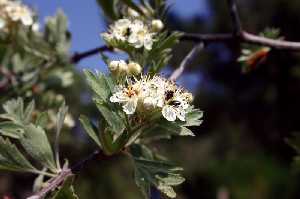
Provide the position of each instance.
(86, 20)
(86, 23)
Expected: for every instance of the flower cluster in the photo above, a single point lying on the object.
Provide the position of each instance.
(149, 93)
(134, 32)
(14, 11)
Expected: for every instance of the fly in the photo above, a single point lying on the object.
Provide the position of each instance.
(169, 94)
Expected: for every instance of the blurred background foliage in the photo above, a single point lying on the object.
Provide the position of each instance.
(240, 151)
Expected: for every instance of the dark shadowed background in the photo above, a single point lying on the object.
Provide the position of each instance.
(240, 151)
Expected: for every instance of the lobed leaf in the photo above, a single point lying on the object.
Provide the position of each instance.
(11, 129)
(153, 172)
(89, 129)
(11, 158)
(36, 144)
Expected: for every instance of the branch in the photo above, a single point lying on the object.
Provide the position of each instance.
(64, 174)
(207, 38)
(244, 37)
(186, 61)
(237, 25)
(77, 57)
(273, 43)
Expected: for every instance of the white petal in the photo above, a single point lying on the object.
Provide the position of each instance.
(130, 106)
(180, 114)
(118, 98)
(2, 23)
(149, 103)
(132, 38)
(27, 20)
(148, 42)
(169, 113)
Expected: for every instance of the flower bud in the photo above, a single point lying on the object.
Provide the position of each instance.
(189, 97)
(132, 13)
(113, 66)
(134, 68)
(107, 37)
(35, 27)
(123, 67)
(157, 25)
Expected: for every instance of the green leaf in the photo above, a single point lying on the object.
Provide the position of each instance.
(109, 8)
(133, 6)
(89, 129)
(15, 111)
(165, 129)
(28, 112)
(160, 54)
(100, 84)
(109, 144)
(112, 118)
(62, 112)
(42, 119)
(11, 158)
(11, 129)
(193, 117)
(151, 172)
(57, 35)
(36, 143)
(66, 191)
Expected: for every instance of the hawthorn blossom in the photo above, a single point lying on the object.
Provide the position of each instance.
(15, 11)
(153, 93)
(140, 35)
(128, 97)
(134, 32)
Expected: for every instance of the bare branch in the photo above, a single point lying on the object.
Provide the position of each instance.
(207, 38)
(53, 184)
(186, 61)
(77, 57)
(64, 174)
(245, 37)
(237, 25)
(273, 43)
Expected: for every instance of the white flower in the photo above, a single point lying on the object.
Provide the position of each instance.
(157, 25)
(127, 97)
(18, 12)
(120, 29)
(134, 32)
(153, 93)
(140, 35)
(15, 11)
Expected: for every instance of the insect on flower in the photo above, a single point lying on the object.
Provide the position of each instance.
(153, 93)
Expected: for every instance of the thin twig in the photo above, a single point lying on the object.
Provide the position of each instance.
(186, 61)
(237, 25)
(208, 38)
(64, 174)
(245, 37)
(273, 43)
(53, 184)
(77, 57)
